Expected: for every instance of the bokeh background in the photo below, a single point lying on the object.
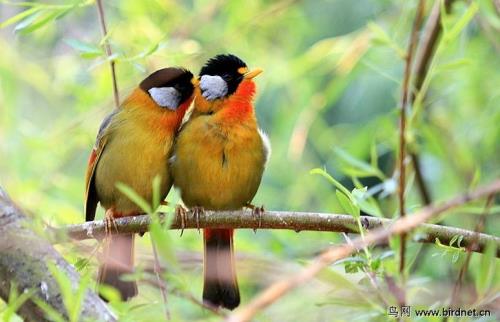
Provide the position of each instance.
(328, 99)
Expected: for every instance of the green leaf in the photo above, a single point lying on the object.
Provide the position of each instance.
(375, 265)
(109, 293)
(352, 264)
(49, 311)
(20, 16)
(30, 19)
(346, 204)
(356, 167)
(64, 284)
(367, 203)
(161, 239)
(369, 206)
(134, 197)
(15, 301)
(156, 192)
(42, 15)
(86, 50)
(38, 23)
(72, 298)
(449, 247)
(351, 267)
(337, 184)
(76, 305)
(462, 22)
(380, 36)
(454, 65)
(453, 239)
(81, 263)
(487, 268)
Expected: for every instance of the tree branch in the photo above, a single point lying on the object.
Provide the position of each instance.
(297, 221)
(402, 225)
(24, 258)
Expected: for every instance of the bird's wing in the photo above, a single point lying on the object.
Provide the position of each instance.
(266, 145)
(91, 198)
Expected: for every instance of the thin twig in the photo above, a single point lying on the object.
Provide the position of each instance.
(402, 124)
(297, 221)
(405, 224)
(109, 53)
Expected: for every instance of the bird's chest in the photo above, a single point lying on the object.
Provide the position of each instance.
(222, 167)
(232, 151)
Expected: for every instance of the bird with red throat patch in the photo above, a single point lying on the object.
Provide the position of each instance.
(218, 161)
(132, 147)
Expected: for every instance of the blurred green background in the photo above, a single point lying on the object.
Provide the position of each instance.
(328, 99)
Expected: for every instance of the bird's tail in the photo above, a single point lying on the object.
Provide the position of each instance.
(118, 259)
(220, 287)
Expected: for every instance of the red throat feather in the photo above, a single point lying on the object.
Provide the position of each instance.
(241, 102)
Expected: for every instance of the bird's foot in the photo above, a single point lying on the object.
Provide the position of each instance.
(181, 212)
(197, 211)
(257, 213)
(110, 222)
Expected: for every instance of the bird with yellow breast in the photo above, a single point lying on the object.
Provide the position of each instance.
(132, 147)
(217, 164)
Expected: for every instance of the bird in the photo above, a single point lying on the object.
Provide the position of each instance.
(218, 161)
(133, 145)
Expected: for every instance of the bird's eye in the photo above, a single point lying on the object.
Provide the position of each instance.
(213, 87)
(167, 97)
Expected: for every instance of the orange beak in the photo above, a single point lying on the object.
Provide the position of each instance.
(253, 73)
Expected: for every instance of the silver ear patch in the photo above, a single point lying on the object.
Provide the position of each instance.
(213, 87)
(167, 97)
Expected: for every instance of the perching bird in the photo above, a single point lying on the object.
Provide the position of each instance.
(133, 145)
(217, 164)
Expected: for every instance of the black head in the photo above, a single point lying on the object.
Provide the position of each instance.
(169, 87)
(229, 67)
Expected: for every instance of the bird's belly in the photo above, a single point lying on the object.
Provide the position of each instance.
(221, 178)
(134, 162)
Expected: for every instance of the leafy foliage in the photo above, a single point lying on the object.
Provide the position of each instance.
(328, 101)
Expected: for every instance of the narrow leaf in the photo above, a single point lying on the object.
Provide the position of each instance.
(89, 50)
(337, 184)
(132, 195)
(19, 17)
